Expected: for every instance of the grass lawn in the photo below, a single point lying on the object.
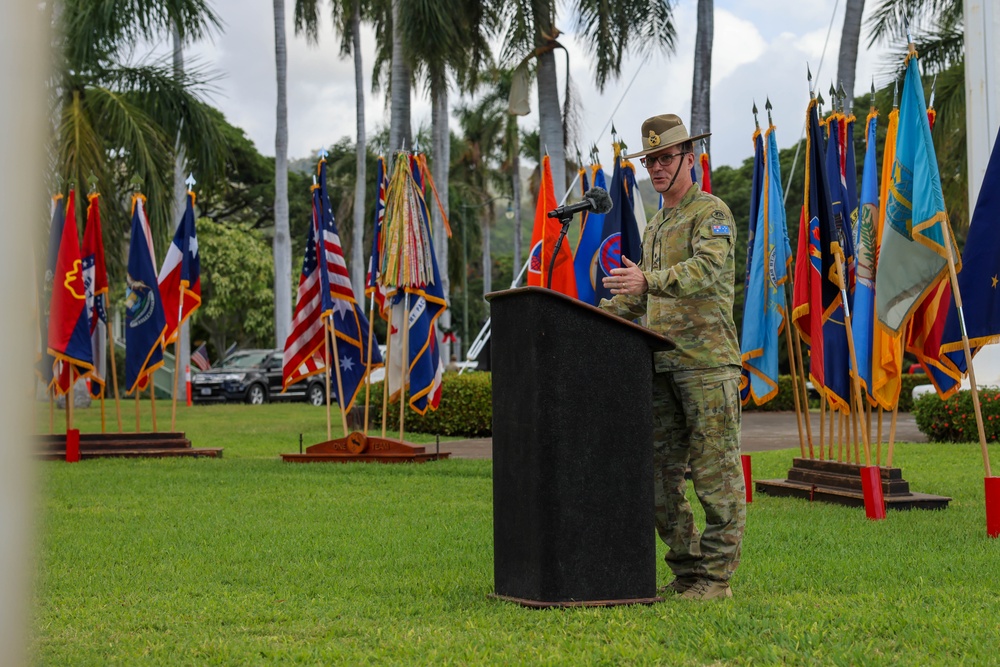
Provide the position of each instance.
(248, 560)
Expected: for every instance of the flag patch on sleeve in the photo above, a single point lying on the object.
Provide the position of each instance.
(721, 230)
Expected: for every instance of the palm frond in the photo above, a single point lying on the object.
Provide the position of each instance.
(888, 23)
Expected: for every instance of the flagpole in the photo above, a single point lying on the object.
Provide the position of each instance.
(850, 346)
(878, 455)
(385, 381)
(326, 359)
(965, 347)
(368, 361)
(152, 398)
(340, 381)
(406, 361)
(52, 410)
(822, 426)
(104, 428)
(892, 434)
(795, 387)
(69, 401)
(137, 423)
(114, 375)
(177, 361)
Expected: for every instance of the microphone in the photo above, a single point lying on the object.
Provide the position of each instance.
(594, 199)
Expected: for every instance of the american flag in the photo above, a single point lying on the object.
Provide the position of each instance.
(304, 346)
(200, 358)
(375, 261)
(334, 299)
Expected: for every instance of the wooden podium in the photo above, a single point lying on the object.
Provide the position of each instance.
(572, 452)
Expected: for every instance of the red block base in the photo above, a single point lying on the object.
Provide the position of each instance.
(747, 476)
(871, 487)
(993, 506)
(72, 444)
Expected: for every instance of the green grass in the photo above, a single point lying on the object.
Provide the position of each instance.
(248, 560)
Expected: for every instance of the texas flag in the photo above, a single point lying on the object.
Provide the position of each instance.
(69, 326)
(181, 271)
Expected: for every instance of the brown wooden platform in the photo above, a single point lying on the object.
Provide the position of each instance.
(124, 445)
(358, 447)
(840, 483)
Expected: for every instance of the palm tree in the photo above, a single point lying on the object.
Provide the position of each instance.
(116, 117)
(347, 16)
(701, 94)
(849, 38)
(282, 238)
(607, 31)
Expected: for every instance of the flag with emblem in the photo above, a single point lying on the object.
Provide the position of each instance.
(979, 281)
(585, 259)
(339, 307)
(756, 196)
(913, 257)
(543, 242)
(145, 321)
(887, 349)
(863, 315)
(764, 310)
(69, 324)
(419, 300)
(181, 271)
(620, 236)
(95, 278)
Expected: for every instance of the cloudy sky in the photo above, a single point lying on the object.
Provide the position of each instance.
(761, 49)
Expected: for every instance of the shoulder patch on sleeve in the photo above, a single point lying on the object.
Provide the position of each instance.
(718, 215)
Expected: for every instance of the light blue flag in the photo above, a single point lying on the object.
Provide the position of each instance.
(913, 256)
(765, 296)
(866, 247)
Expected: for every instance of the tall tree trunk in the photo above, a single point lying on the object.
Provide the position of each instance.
(848, 60)
(550, 126)
(515, 186)
(701, 93)
(441, 148)
(282, 240)
(484, 233)
(183, 360)
(357, 242)
(400, 134)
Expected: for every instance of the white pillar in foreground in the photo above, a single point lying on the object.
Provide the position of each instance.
(982, 88)
(23, 72)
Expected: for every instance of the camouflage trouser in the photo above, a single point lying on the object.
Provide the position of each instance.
(696, 416)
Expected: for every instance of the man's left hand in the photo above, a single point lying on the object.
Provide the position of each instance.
(628, 279)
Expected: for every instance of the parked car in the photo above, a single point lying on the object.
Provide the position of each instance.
(253, 376)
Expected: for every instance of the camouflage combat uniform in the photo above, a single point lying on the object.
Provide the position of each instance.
(688, 261)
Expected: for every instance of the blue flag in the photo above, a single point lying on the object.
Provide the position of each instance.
(764, 311)
(620, 234)
(145, 322)
(586, 259)
(426, 303)
(979, 280)
(339, 307)
(756, 194)
(863, 315)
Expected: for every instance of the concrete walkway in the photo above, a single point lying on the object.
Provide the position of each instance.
(762, 431)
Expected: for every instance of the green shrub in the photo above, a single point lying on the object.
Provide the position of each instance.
(466, 408)
(954, 420)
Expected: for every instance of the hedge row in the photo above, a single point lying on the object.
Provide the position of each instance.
(786, 401)
(954, 420)
(466, 407)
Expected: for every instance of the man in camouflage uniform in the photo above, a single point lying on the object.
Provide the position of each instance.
(684, 286)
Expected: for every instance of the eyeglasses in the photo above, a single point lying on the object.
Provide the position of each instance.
(663, 160)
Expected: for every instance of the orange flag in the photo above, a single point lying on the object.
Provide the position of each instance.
(543, 242)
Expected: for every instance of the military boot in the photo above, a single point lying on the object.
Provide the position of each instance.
(678, 585)
(707, 589)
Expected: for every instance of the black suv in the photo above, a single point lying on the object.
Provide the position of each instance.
(253, 376)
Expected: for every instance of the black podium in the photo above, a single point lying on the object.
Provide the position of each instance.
(572, 452)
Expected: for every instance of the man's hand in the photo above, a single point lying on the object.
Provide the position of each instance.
(626, 280)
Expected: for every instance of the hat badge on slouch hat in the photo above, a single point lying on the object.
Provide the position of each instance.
(664, 131)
